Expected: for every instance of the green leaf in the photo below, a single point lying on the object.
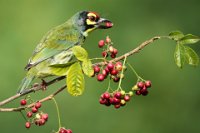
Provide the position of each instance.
(176, 35)
(58, 71)
(63, 65)
(189, 39)
(191, 56)
(75, 80)
(80, 53)
(179, 55)
(87, 68)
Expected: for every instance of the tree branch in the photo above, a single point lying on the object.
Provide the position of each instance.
(32, 104)
(33, 89)
(38, 87)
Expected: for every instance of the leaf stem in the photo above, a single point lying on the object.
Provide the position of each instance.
(58, 112)
(97, 59)
(23, 116)
(138, 77)
(120, 80)
(109, 89)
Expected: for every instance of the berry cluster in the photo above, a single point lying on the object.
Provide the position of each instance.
(141, 88)
(111, 69)
(39, 118)
(109, 48)
(63, 130)
(115, 71)
(117, 99)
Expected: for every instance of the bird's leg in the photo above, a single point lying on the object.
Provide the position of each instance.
(43, 85)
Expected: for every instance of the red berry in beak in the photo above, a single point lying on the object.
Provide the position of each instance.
(109, 24)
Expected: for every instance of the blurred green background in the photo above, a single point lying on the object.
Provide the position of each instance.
(173, 103)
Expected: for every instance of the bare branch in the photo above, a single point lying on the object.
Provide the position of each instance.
(32, 104)
(33, 89)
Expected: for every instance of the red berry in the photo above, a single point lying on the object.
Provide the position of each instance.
(109, 24)
(41, 122)
(116, 100)
(45, 117)
(118, 63)
(100, 77)
(114, 72)
(101, 96)
(110, 66)
(117, 95)
(38, 105)
(104, 54)
(23, 102)
(106, 95)
(107, 103)
(145, 93)
(143, 90)
(126, 97)
(102, 101)
(140, 84)
(111, 100)
(101, 43)
(104, 72)
(115, 51)
(27, 124)
(113, 55)
(107, 70)
(34, 109)
(69, 131)
(96, 69)
(63, 130)
(116, 79)
(148, 83)
(138, 92)
(117, 106)
(29, 114)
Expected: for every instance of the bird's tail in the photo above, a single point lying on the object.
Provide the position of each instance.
(25, 83)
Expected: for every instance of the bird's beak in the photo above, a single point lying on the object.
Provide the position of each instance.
(104, 23)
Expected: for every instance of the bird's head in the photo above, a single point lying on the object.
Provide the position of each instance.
(88, 21)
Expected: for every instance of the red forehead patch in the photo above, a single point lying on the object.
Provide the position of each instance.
(97, 15)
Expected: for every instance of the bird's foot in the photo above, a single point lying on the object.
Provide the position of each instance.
(43, 85)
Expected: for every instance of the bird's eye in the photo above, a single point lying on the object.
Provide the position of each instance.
(91, 18)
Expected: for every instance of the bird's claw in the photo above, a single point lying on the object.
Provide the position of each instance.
(43, 85)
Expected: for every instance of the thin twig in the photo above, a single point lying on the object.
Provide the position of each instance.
(32, 104)
(33, 89)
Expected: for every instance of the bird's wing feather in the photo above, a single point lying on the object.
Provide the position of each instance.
(55, 41)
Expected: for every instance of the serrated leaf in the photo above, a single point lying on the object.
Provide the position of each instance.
(176, 35)
(189, 39)
(87, 68)
(75, 80)
(80, 53)
(179, 56)
(191, 56)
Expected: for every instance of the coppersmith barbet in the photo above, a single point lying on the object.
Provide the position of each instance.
(55, 46)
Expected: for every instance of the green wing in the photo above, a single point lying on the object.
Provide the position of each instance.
(58, 39)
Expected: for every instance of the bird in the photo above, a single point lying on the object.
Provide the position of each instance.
(56, 46)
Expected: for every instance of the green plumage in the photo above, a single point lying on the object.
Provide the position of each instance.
(55, 48)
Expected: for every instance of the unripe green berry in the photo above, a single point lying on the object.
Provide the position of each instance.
(123, 102)
(123, 92)
(135, 87)
(130, 93)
